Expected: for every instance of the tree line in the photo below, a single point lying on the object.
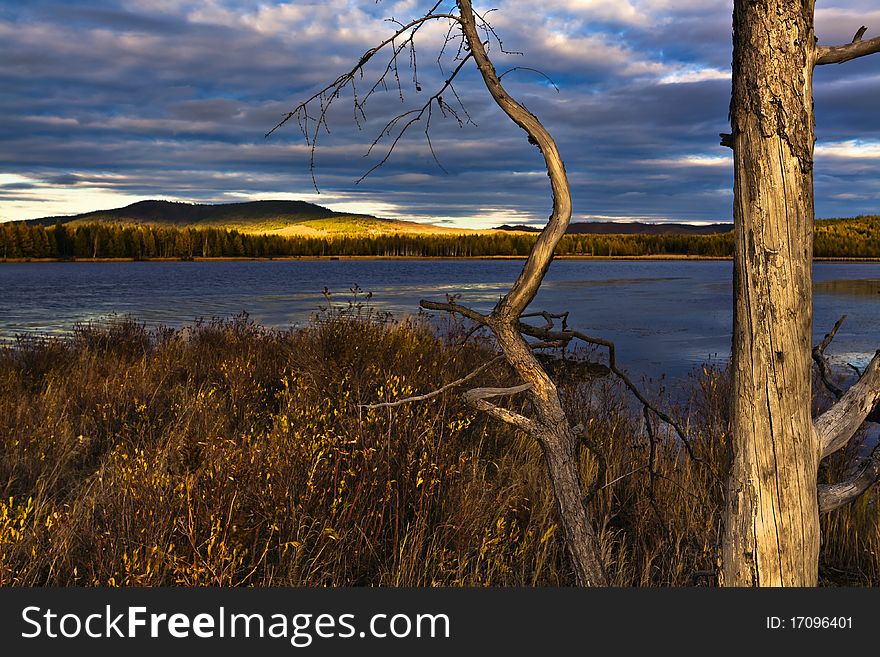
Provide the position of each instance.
(848, 238)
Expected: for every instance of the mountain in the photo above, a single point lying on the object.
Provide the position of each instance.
(630, 228)
(190, 214)
(280, 217)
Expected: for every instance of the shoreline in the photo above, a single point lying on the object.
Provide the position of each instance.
(666, 256)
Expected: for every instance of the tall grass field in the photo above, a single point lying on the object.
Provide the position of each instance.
(228, 454)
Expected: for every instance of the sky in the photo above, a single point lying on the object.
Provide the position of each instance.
(108, 102)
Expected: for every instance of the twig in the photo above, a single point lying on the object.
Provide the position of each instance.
(549, 317)
(434, 393)
(822, 362)
(621, 477)
(533, 70)
(414, 116)
(311, 124)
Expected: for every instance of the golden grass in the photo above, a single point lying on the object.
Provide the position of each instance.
(228, 454)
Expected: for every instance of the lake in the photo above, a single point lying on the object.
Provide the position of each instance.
(666, 317)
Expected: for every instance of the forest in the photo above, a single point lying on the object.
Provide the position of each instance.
(858, 237)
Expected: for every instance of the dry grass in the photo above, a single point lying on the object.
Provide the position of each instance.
(230, 454)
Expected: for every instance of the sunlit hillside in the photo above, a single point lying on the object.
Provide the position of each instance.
(286, 218)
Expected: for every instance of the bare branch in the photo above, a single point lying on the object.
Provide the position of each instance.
(414, 117)
(456, 309)
(826, 341)
(490, 31)
(543, 333)
(837, 425)
(345, 78)
(533, 70)
(622, 477)
(477, 398)
(833, 496)
(310, 124)
(834, 431)
(822, 362)
(855, 369)
(549, 317)
(840, 54)
(435, 393)
(488, 393)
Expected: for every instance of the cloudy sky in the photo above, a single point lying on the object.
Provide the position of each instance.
(106, 102)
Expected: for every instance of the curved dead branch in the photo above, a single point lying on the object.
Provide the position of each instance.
(527, 283)
(477, 398)
(550, 426)
(836, 426)
(833, 496)
(857, 48)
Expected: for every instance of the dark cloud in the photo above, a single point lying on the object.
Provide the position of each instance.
(121, 99)
(109, 16)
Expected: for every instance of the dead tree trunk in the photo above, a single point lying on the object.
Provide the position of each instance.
(771, 516)
(551, 427)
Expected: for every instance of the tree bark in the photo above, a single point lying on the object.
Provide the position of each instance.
(771, 517)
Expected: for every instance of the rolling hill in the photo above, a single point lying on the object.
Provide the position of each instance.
(288, 218)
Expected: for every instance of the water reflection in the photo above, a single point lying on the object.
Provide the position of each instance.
(858, 288)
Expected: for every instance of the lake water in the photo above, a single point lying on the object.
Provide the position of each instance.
(665, 316)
